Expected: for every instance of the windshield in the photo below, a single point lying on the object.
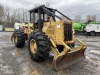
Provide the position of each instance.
(89, 25)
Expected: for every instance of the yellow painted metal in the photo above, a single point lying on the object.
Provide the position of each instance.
(55, 52)
(33, 46)
(53, 43)
(55, 32)
(54, 49)
(80, 46)
(68, 56)
(66, 48)
(53, 29)
(28, 28)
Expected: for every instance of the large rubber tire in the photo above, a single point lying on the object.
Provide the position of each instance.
(43, 46)
(76, 32)
(92, 33)
(20, 42)
(88, 33)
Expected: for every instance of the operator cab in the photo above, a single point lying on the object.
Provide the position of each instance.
(42, 14)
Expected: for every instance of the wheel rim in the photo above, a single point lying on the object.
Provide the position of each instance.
(33, 46)
(92, 33)
(76, 32)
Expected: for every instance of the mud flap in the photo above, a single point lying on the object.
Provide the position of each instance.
(68, 59)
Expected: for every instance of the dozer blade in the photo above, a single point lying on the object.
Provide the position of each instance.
(68, 59)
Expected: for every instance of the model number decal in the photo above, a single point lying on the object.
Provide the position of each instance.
(58, 26)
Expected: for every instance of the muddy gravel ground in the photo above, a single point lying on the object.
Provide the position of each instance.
(14, 61)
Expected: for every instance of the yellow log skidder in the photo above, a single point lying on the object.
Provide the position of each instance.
(47, 32)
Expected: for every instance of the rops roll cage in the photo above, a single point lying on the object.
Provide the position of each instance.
(41, 11)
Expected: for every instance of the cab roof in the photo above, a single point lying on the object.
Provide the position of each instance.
(35, 10)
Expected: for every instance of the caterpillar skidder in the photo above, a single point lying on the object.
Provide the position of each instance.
(48, 33)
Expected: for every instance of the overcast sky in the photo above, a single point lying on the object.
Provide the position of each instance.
(69, 7)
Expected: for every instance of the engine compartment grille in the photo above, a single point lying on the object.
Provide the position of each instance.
(67, 31)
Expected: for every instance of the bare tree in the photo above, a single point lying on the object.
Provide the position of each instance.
(7, 14)
(89, 18)
(94, 18)
(78, 18)
(1, 13)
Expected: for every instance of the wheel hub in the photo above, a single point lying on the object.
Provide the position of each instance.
(33, 46)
